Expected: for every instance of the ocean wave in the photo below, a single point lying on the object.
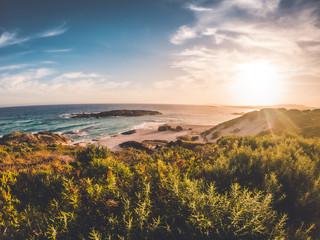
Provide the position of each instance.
(146, 125)
(76, 133)
(65, 115)
(103, 136)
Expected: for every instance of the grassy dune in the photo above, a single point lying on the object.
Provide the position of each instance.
(265, 121)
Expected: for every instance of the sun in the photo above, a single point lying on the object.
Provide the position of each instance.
(257, 83)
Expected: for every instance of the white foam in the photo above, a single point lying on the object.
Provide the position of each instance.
(76, 132)
(65, 115)
(103, 136)
(145, 125)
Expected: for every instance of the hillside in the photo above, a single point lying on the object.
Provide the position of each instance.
(306, 123)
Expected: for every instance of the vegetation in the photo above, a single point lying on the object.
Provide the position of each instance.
(265, 187)
(14, 156)
(305, 123)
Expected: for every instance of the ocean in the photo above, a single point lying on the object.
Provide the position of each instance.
(56, 118)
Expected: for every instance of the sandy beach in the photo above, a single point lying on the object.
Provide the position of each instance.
(153, 134)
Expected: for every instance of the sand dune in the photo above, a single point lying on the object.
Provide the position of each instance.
(306, 122)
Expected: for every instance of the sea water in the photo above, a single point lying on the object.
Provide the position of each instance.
(57, 118)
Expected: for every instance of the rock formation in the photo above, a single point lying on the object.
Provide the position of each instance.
(116, 113)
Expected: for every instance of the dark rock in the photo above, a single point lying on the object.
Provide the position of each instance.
(167, 127)
(171, 144)
(116, 113)
(163, 128)
(194, 138)
(136, 145)
(147, 145)
(42, 138)
(179, 129)
(183, 138)
(129, 132)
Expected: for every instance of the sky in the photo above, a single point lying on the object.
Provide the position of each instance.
(229, 52)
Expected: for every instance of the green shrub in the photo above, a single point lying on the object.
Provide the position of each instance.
(264, 187)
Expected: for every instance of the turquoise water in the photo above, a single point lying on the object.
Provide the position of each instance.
(56, 118)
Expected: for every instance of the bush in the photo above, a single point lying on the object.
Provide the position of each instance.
(264, 187)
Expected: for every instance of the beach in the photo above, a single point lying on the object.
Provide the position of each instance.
(152, 133)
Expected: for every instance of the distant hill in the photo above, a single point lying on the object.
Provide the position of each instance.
(305, 122)
(287, 106)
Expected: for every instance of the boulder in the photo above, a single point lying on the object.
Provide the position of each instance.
(147, 145)
(129, 132)
(136, 145)
(179, 129)
(163, 128)
(167, 127)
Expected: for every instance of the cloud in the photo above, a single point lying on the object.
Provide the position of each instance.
(183, 33)
(226, 34)
(196, 8)
(12, 38)
(7, 39)
(48, 62)
(76, 75)
(14, 67)
(41, 84)
(58, 50)
(54, 32)
(19, 81)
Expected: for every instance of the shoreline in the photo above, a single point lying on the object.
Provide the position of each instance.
(151, 133)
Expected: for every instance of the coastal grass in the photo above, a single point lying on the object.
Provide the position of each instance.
(24, 156)
(305, 123)
(265, 187)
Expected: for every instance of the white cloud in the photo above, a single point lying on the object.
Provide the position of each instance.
(183, 33)
(14, 82)
(39, 84)
(8, 39)
(11, 38)
(197, 8)
(74, 75)
(240, 31)
(54, 32)
(58, 50)
(48, 62)
(14, 67)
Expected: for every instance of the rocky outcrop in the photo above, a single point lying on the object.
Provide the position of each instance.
(148, 145)
(166, 127)
(130, 132)
(42, 138)
(116, 113)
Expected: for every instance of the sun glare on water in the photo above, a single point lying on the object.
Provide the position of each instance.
(257, 83)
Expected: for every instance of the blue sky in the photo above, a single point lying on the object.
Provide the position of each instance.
(169, 51)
